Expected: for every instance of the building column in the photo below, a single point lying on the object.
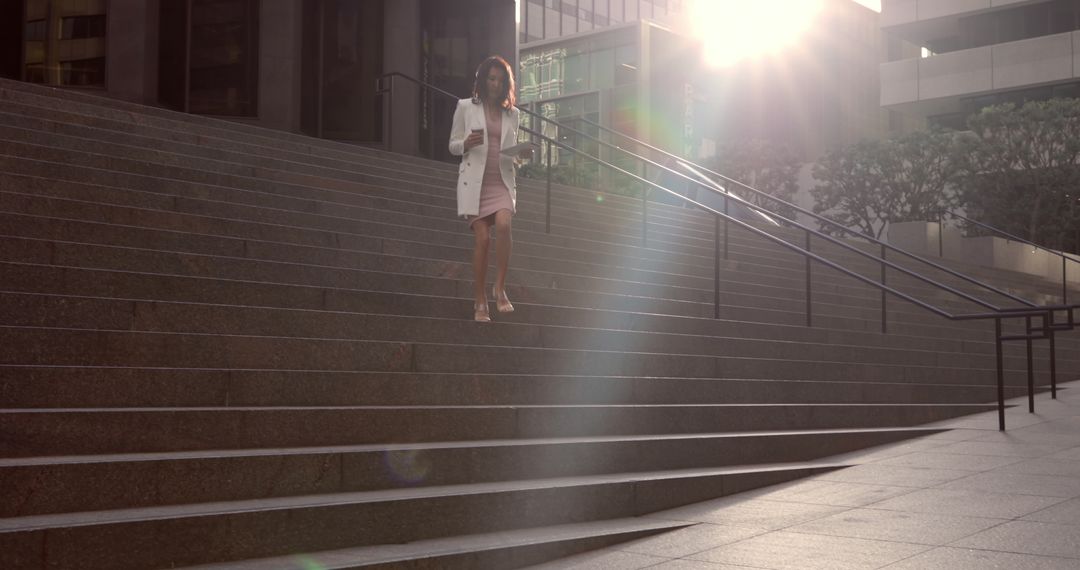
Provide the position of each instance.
(280, 49)
(401, 53)
(131, 55)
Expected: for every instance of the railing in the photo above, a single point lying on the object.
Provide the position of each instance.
(1046, 314)
(1064, 258)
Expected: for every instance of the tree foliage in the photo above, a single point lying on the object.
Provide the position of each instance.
(763, 165)
(873, 183)
(1022, 170)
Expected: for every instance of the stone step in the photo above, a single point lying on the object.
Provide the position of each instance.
(32, 346)
(190, 278)
(65, 313)
(129, 387)
(385, 157)
(287, 263)
(50, 485)
(446, 216)
(236, 530)
(38, 432)
(501, 549)
(138, 287)
(341, 231)
(693, 266)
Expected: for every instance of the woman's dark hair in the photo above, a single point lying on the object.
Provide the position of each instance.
(479, 90)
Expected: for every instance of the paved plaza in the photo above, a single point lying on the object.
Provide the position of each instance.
(971, 498)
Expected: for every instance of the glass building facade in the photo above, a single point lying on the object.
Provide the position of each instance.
(549, 19)
(64, 42)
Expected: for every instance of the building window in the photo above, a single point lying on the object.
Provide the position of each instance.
(35, 31)
(552, 19)
(83, 72)
(535, 20)
(223, 57)
(80, 27)
(617, 11)
(64, 42)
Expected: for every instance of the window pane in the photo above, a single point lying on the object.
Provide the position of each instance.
(577, 73)
(603, 69)
(64, 42)
(552, 18)
(535, 21)
(224, 53)
(631, 10)
(617, 11)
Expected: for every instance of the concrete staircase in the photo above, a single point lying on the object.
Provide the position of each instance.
(232, 347)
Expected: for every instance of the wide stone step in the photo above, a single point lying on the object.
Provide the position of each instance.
(302, 144)
(457, 236)
(238, 530)
(36, 432)
(47, 485)
(128, 387)
(353, 269)
(44, 214)
(501, 549)
(91, 314)
(31, 346)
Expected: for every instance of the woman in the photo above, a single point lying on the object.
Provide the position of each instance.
(486, 189)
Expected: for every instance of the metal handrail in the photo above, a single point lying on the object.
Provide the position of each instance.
(1064, 258)
(1045, 313)
(797, 208)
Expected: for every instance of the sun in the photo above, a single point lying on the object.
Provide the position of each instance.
(734, 30)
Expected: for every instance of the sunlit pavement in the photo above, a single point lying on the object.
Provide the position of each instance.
(968, 498)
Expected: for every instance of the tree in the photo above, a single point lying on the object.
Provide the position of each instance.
(763, 165)
(874, 183)
(1022, 170)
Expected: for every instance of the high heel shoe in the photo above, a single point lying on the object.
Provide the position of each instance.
(502, 302)
(480, 313)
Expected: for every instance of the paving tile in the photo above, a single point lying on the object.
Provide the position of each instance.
(886, 451)
(601, 560)
(1017, 449)
(797, 551)
(1044, 466)
(876, 474)
(1025, 537)
(684, 564)
(834, 493)
(1066, 512)
(936, 460)
(758, 514)
(1071, 454)
(964, 559)
(690, 540)
(1018, 483)
(968, 503)
(1028, 436)
(915, 528)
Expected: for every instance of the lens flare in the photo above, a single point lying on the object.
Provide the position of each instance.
(734, 30)
(407, 465)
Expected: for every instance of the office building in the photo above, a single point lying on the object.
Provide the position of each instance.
(977, 53)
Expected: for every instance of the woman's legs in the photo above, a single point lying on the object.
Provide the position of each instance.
(503, 245)
(482, 234)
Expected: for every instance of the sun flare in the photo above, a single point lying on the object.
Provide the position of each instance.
(734, 30)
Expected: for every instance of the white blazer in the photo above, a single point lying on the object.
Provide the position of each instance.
(469, 116)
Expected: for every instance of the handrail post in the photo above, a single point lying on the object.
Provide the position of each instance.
(727, 200)
(716, 267)
(884, 297)
(809, 321)
(390, 123)
(1000, 376)
(547, 212)
(1064, 281)
(1030, 370)
(1053, 355)
(644, 215)
(941, 235)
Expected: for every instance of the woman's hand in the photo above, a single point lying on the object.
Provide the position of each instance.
(475, 138)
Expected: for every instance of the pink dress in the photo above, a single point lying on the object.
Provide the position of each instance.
(494, 195)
